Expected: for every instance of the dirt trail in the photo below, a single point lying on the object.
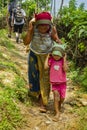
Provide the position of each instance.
(43, 121)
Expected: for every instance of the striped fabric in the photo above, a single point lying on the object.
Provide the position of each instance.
(41, 43)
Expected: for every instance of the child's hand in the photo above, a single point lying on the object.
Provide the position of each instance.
(46, 66)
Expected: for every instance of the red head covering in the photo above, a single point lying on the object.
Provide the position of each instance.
(43, 15)
(43, 18)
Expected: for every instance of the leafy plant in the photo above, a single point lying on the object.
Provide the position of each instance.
(82, 125)
(20, 90)
(4, 41)
(10, 116)
(73, 26)
(82, 78)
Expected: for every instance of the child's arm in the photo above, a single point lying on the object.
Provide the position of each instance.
(65, 66)
(54, 35)
(46, 66)
(28, 37)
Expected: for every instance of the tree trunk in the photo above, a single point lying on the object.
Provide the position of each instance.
(46, 5)
(61, 5)
(54, 8)
(37, 6)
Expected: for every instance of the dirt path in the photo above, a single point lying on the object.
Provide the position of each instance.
(43, 121)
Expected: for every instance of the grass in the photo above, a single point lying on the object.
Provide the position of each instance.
(82, 120)
(9, 113)
(12, 85)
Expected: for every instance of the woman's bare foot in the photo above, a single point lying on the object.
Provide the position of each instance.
(56, 117)
(43, 109)
(42, 106)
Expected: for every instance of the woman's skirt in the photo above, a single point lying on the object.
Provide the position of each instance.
(38, 77)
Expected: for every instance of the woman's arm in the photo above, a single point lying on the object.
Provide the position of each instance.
(28, 37)
(54, 35)
(65, 65)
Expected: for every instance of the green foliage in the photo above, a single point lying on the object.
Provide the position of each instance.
(82, 125)
(12, 85)
(82, 78)
(81, 47)
(78, 75)
(9, 113)
(73, 72)
(3, 10)
(29, 7)
(43, 4)
(73, 25)
(4, 41)
(10, 66)
(32, 6)
(20, 91)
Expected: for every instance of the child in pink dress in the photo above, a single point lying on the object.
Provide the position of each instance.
(55, 62)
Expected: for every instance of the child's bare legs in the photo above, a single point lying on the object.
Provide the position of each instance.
(56, 104)
(60, 103)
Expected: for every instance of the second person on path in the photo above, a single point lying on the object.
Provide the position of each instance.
(18, 21)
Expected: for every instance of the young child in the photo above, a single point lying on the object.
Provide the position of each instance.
(55, 62)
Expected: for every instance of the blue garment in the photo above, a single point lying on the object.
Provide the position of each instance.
(33, 73)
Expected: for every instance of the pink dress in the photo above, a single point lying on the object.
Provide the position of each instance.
(57, 76)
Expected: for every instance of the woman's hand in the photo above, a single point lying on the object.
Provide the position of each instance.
(32, 21)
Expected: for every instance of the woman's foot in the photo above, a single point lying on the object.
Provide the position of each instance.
(43, 109)
(42, 106)
(56, 117)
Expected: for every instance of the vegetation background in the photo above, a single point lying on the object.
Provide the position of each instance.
(71, 24)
